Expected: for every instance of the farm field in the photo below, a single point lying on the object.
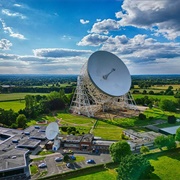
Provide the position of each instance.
(14, 96)
(160, 87)
(14, 105)
(154, 96)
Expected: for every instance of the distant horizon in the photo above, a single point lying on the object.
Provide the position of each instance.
(79, 74)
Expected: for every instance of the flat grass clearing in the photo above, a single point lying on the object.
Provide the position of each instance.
(109, 174)
(14, 105)
(107, 131)
(66, 118)
(14, 96)
(34, 169)
(166, 165)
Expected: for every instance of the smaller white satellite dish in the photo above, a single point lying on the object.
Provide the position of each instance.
(52, 130)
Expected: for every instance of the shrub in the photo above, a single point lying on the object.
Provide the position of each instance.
(171, 119)
(142, 116)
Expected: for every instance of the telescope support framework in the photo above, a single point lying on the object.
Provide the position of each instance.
(86, 103)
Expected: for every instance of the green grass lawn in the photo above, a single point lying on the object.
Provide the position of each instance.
(166, 165)
(74, 119)
(109, 174)
(107, 131)
(34, 169)
(14, 105)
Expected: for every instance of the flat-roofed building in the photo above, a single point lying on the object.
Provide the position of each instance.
(14, 164)
(28, 144)
(169, 130)
(102, 146)
(15, 146)
(70, 141)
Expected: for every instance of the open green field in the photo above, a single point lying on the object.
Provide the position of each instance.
(166, 165)
(14, 96)
(109, 174)
(107, 131)
(74, 119)
(14, 105)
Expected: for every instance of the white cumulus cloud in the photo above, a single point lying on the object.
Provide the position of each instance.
(92, 40)
(59, 52)
(13, 14)
(82, 21)
(5, 44)
(105, 26)
(11, 32)
(162, 16)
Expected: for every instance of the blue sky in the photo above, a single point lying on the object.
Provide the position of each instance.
(58, 36)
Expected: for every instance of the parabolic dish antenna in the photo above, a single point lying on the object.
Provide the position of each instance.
(52, 130)
(103, 85)
(108, 73)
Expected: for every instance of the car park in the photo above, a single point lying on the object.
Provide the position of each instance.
(42, 165)
(90, 161)
(58, 159)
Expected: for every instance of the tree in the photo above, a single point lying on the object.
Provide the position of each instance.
(171, 119)
(134, 167)
(142, 116)
(21, 121)
(66, 158)
(144, 149)
(151, 92)
(53, 95)
(119, 150)
(161, 141)
(171, 142)
(30, 101)
(167, 105)
(63, 96)
(177, 136)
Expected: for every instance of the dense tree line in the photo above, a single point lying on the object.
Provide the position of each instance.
(36, 80)
(34, 106)
(145, 81)
(25, 89)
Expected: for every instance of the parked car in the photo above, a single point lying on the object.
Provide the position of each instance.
(58, 159)
(69, 165)
(72, 157)
(90, 161)
(42, 165)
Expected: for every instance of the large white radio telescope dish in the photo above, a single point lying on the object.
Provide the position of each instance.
(103, 85)
(109, 73)
(52, 130)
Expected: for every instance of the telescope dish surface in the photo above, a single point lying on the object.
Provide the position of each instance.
(108, 73)
(52, 130)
